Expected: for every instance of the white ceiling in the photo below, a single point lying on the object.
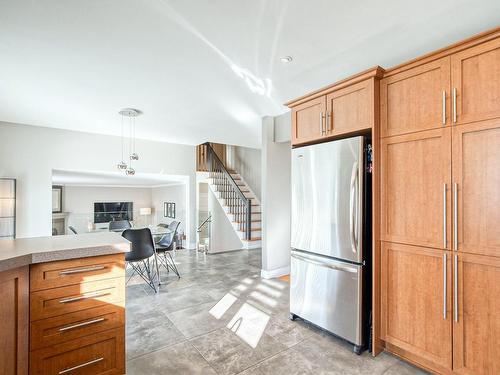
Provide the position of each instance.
(93, 178)
(204, 70)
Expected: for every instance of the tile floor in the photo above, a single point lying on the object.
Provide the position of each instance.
(222, 318)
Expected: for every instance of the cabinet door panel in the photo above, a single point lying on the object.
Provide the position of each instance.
(14, 324)
(351, 109)
(413, 99)
(414, 170)
(476, 170)
(415, 298)
(476, 77)
(308, 123)
(476, 334)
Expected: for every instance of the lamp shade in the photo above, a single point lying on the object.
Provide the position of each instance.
(145, 211)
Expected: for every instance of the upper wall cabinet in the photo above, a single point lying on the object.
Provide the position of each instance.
(347, 107)
(416, 99)
(476, 82)
(308, 120)
(350, 109)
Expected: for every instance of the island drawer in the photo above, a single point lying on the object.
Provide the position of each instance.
(75, 271)
(68, 299)
(101, 353)
(70, 326)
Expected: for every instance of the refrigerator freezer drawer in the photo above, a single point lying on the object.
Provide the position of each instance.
(327, 293)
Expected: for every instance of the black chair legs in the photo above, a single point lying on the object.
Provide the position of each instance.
(168, 262)
(143, 269)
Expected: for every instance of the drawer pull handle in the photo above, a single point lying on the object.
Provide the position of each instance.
(80, 366)
(80, 270)
(82, 297)
(82, 324)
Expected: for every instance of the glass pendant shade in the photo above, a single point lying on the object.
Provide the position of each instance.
(134, 156)
(121, 165)
(130, 171)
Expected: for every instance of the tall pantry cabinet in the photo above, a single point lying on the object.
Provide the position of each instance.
(440, 208)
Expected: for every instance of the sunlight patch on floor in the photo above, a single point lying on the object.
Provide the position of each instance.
(222, 306)
(249, 324)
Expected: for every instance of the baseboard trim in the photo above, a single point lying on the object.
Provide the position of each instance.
(272, 274)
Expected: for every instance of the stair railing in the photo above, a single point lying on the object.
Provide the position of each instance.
(239, 205)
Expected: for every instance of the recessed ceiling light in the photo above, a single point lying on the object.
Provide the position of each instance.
(286, 59)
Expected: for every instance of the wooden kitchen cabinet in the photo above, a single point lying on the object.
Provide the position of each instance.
(476, 331)
(308, 120)
(416, 99)
(416, 303)
(416, 188)
(476, 173)
(14, 321)
(350, 109)
(475, 78)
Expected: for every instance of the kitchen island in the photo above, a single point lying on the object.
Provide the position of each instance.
(63, 304)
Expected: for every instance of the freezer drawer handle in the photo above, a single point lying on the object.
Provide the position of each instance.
(326, 265)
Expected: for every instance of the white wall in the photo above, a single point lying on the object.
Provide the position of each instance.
(173, 193)
(29, 153)
(223, 236)
(78, 201)
(247, 162)
(276, 196)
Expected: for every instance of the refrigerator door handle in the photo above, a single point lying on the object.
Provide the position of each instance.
(324, 264)
(353, 211)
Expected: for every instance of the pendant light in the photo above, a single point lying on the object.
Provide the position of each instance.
(133, 156)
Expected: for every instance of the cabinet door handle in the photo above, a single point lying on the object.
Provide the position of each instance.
(455, 288)
(454, 104)
(82, 297)
(444, 216)
(444, 107)
(321, 129)
(69, 369)
(445, 271)
(328, 121)
(82, 324)
(72, 271)
(455, 216)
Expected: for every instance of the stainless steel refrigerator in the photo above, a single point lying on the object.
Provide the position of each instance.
(330, 225)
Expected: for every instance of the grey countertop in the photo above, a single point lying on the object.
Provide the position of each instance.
(24, 251)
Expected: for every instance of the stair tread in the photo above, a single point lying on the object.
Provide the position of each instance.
(253, 239)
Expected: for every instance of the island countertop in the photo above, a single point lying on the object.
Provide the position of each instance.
(24, 251)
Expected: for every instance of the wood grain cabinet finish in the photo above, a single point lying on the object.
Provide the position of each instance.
(416, 188)
(416, 303)
(77, 316)
(101, 354)
(67, 299)
(350, 109)
(75, 271)
(476, 81)
(476, 331)
(74, 325)
(476, 173)
(416, 99)
(308, 121)
(14, 321)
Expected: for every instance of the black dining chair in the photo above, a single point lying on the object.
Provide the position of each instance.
(141, 250)
(166, 246)
(71, 228)
(119, 225)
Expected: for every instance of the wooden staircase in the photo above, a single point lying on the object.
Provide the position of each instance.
(256, 220)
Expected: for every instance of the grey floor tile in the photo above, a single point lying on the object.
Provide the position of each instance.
(222, 317)
(177, 359)
(229, 354)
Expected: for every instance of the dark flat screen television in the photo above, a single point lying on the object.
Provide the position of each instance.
(104, 212)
